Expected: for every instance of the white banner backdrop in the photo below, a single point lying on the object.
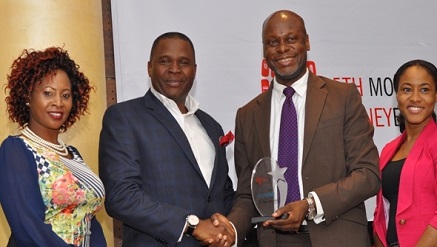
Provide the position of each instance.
(361, 42)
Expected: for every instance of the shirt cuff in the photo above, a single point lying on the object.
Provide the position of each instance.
(236, 235)
(182, 233)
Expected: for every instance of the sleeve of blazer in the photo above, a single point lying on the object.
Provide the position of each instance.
(120, 170)
(361, 159)
(243, 209)
(21, 198)
(379, 225)
(433, 153)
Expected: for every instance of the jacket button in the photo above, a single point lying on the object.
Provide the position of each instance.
(402, 222)
(209, 199)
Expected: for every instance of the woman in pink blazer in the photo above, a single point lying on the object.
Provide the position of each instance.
(406, 210)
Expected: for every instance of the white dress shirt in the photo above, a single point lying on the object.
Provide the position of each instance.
(200, 143)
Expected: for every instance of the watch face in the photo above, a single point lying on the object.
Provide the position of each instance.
(193, 220)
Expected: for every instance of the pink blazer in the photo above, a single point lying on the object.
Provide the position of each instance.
(417, 202)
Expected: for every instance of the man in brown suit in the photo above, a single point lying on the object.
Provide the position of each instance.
(338, 160)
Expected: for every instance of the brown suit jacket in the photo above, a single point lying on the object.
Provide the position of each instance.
(340, 160)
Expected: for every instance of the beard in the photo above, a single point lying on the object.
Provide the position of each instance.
(289, 77)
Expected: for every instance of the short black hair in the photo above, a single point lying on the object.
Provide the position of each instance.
(171, 35)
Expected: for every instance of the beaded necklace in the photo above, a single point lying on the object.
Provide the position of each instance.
(60, 148)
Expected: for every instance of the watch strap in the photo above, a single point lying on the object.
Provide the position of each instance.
(190, 230)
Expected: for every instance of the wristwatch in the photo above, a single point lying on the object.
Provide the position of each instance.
(192, 222)
(311, 208)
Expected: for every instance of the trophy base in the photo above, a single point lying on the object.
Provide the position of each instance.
(256, 220)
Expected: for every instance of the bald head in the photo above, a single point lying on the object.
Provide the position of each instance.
(283, 16)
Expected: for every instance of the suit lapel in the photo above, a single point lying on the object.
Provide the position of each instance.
(209, 129)
(407, 178)
(407, 174)
(162, 115)
(315, 100)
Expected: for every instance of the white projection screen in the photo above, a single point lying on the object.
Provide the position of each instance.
(360, 42)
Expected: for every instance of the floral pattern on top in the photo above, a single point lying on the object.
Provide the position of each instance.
(70, 202)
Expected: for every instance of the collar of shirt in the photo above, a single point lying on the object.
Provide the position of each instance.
(191, 104)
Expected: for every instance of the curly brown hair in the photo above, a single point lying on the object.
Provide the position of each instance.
(29, 69)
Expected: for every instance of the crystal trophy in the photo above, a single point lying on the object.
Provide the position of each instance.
(269, 188)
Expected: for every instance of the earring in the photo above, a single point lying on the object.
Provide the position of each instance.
(27, 104)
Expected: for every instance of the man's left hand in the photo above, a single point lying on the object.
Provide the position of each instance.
(295, 211)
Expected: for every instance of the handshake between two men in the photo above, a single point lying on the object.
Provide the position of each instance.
(218, 231)
(215, 232)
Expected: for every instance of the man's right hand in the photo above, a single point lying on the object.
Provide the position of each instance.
(215, 232)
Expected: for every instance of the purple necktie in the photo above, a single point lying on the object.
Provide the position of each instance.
(287, 149)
